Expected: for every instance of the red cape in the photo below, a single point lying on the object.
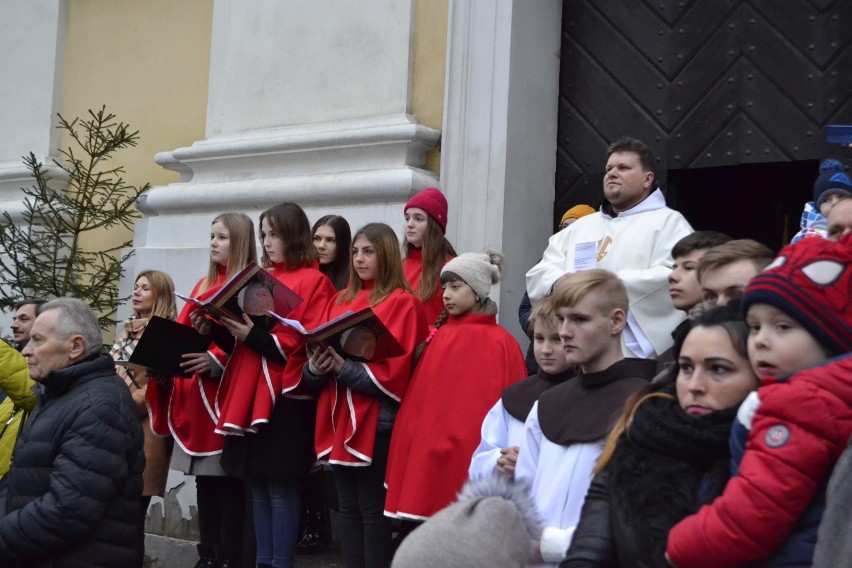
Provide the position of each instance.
(413, 268)
(251, 383)
(187, 408)
(347, 419)
(460, 376)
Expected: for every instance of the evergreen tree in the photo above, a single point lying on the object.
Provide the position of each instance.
(43, 255)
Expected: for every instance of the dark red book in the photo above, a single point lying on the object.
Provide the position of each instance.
(355, 335)
(252, 290)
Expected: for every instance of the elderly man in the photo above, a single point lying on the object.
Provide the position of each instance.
(632, 235)
(72, 493)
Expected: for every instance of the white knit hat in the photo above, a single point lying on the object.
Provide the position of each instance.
(478, 270)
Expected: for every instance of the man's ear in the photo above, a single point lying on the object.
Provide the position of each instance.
(618, 321)
(78, 347)
(649, 180)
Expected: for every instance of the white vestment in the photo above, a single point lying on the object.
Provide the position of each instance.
(560, 477)
(636, 245)
(499, 430)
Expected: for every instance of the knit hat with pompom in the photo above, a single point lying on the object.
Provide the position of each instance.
(832, 180)
(478, 270)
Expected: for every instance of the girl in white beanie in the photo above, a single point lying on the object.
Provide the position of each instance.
(468, 361)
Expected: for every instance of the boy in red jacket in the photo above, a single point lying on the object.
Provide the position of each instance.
(797, 424)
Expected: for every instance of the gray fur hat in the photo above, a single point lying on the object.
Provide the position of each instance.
(479, 270)
(494, 523)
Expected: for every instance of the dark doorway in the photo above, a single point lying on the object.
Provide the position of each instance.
(731, 96)
(748, 201)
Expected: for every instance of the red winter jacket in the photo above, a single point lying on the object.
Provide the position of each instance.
(798, 431)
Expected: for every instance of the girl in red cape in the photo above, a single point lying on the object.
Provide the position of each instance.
(260, 394)
(359, 400)
(462, 372)
(186, 408)
(426, 249)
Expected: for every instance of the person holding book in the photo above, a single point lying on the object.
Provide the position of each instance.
(466, 364)
(260, 394)
(359, 399)
(425, 249)
(153, 295)
(185, 408)
(332, 239)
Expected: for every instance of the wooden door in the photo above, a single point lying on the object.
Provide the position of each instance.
(706, 83)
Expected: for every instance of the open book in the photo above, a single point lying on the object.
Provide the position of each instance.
(355, 335)
(162, 346)
(252, 290)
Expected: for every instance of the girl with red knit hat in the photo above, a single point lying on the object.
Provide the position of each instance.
(359, 399)
(425, 249)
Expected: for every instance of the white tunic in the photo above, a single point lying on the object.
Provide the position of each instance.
(636, 245)
(560, 477)
(499, 430)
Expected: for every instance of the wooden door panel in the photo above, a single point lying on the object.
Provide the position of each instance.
(705, 83)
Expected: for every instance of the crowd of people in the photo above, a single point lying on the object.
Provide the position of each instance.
(685, 400)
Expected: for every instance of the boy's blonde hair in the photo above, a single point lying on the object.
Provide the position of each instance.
(610, 293)
(542, 312)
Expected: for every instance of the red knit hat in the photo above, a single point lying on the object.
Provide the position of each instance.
(811, 282)
(433, 202)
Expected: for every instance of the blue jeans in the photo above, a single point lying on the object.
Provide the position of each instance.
(275, 506)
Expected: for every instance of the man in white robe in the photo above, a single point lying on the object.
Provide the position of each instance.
(631, 235)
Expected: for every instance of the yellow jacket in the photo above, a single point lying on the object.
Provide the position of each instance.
(15, 382)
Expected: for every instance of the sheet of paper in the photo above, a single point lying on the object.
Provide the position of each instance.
(585, 256)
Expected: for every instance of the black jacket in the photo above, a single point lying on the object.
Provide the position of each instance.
(72, 494)
(666, 468)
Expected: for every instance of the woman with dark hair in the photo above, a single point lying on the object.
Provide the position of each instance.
(359, 399)
(332, 239)
(668, 454)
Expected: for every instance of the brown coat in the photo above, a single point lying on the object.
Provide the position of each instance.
(156, 448)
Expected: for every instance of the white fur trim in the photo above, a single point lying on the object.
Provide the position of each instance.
(555, 543)
(745, 414)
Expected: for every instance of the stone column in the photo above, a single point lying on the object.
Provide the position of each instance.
(308, 102)
(32, 44)
(32, 41)
(498, 158)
